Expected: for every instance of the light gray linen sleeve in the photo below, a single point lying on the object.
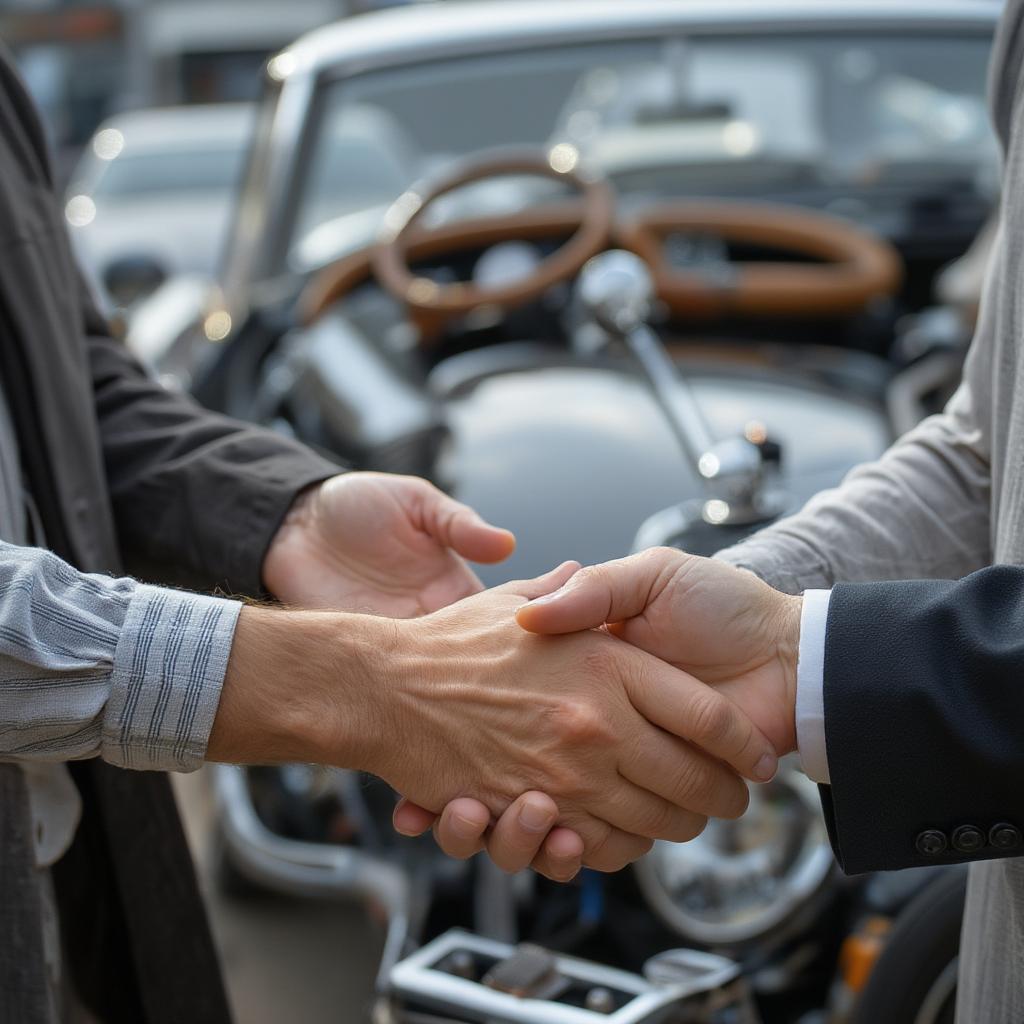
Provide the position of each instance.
(922, 510)
(96, 666)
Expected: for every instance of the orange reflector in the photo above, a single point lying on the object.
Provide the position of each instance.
(860, 951)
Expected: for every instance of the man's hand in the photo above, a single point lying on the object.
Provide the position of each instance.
(721, 624)
(624, 744)
(372, 542)
(464, 702)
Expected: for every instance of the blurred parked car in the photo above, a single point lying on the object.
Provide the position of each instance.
(152, 195)
(617, 275)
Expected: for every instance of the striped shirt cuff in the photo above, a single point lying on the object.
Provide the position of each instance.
(167, 676)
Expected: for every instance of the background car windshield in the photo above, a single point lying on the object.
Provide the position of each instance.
(762, 116)
(202, 170)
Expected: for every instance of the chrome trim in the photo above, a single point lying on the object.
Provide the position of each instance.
(938, 996)
(797, 889)
(442, 30)
(308, 870)
(417, 978)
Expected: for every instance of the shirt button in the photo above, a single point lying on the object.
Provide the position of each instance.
(1004, 836)
(968, 839)
(931, 842)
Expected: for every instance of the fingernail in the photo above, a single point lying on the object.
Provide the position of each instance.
(766, 768)
(534, 818)
(546, 599)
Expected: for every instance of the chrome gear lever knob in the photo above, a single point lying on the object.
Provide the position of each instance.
(617, 291)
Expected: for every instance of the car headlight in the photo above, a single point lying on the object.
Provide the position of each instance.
(739, 880)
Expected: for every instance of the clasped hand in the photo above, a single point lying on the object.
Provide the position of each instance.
(709, 622)
(561, 752)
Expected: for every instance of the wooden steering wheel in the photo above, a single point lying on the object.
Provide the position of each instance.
(842, 270)
(837, 268)
(431, 304)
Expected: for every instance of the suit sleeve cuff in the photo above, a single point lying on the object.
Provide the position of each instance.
(168, 672)
(810, 680)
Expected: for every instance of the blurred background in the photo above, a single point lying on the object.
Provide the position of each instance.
(660, 271)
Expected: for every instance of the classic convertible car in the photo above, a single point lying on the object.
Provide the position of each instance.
(616, 274)
(793, 175)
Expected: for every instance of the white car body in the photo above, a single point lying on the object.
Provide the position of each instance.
(159, 185)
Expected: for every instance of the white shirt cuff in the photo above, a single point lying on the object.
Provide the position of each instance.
(810, 686)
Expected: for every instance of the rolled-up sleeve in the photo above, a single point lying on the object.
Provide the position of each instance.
(96, 666)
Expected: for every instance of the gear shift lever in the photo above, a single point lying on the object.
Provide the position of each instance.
(617, 292)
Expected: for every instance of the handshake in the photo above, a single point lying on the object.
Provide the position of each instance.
(621, 703)
(564, 721)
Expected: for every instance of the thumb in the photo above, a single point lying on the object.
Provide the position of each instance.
(598, 594)
(457, 526)
(540, 585)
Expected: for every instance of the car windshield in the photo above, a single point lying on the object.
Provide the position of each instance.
(771, 115)
(131, 175)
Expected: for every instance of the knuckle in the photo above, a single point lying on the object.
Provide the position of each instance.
(577, 722)
(711, 718)
(596, 842)
(660, 822)
(692, 783)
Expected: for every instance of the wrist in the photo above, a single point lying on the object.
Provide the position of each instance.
(787, 648)
(300, 686)
(297, 520)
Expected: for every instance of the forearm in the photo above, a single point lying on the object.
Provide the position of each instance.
(302, 686)
(921, 511)
(197, 496)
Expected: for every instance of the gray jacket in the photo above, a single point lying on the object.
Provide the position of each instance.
(945, 500)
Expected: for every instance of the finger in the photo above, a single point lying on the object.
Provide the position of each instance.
(686, 777)
(540, 584)
(457, 526)
(410, 819)
(603, 593)
(633, 808)
(606, 848)
(561, 856)
(520, 832)
(461, 828)
(693, 711)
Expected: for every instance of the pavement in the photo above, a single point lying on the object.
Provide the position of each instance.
(286, 961)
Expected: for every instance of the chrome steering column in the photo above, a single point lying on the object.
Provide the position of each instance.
(740, 473)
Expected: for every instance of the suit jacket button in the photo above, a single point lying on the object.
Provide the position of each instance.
(931, 842)
(1004, 836)
(968, 839)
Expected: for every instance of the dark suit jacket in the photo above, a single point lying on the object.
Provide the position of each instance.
(924, 721)
(125, 474)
